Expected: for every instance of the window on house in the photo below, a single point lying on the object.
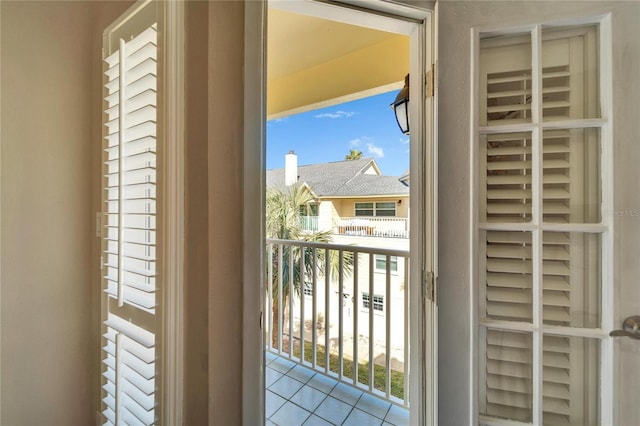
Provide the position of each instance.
(387, 208)
(378, 302)
(381, 263)
(307, 289)
(309, 210)
(540, 230)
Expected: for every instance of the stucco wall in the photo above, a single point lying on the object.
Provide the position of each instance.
(47, 219)
(455, 294)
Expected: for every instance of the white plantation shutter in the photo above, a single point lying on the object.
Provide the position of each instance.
(130, 258)
(129, 387)
(506, 257)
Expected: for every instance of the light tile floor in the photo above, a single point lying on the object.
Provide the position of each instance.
(297, 395)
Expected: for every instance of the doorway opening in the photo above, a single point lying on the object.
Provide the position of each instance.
(344, 319)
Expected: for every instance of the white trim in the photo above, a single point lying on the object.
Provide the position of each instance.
(474, 238)
(529, 127)
(253, 317)
(595, 228)
(536, 215)
(172, 359)
(405, 20)
(1, 220)
(367, 14)
(608, 379)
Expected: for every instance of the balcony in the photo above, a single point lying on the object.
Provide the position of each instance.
(335, 311)
(394, 227)
(309, 223)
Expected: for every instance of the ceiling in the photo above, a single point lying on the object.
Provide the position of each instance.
(314, 62)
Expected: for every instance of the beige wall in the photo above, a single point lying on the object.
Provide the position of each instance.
(455, 21)
(47, 216)
(51, 175)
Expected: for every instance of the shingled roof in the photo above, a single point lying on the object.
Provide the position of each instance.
(348, 178)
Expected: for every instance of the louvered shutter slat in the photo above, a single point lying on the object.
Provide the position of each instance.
(509, 295)
(510, 281)
(557, 315)
(509, 252)
(509, 311)
(134, 414)
(509, 194)
(508, 180)
(552, 405)
(509, 266)
(510, 384)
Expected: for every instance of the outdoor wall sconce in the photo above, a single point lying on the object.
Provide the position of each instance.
(401, 107)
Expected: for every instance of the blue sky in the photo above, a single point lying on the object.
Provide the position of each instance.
(328, 134)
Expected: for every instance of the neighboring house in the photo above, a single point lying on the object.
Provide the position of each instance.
(353, 198)
(405, 178)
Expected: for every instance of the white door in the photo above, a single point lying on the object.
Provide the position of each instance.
(540, 286)
(140, 223)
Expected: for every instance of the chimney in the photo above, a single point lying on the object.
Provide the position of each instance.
(290, 168)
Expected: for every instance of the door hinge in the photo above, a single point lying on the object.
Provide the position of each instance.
(429, 285)
(429, 82)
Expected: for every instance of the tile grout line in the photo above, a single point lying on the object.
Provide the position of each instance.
(326, 395)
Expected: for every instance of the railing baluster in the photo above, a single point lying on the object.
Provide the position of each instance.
(302, 300)
(280, 297)
(387, 305)
(371, 330)
(291, 295)
(354, 301)
(340, 312)
(269, 299)
(327, 307)
(314, 310)
(406, 332)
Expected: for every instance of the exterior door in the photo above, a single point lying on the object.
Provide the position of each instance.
(418, 24)
(544, 276)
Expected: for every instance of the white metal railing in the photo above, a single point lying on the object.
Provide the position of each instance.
(309, 223)
(319, 312)
(384, 226)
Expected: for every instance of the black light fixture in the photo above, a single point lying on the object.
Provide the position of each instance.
(401, 107)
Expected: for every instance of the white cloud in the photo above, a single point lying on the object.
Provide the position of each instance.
(404, 141)
(337, 114)
(355, 142)
(376, 151)
(277, 120)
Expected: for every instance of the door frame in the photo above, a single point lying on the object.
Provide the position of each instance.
(419, 25)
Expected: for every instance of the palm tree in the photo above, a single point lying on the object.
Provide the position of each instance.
(283, 222)
(353, 154)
